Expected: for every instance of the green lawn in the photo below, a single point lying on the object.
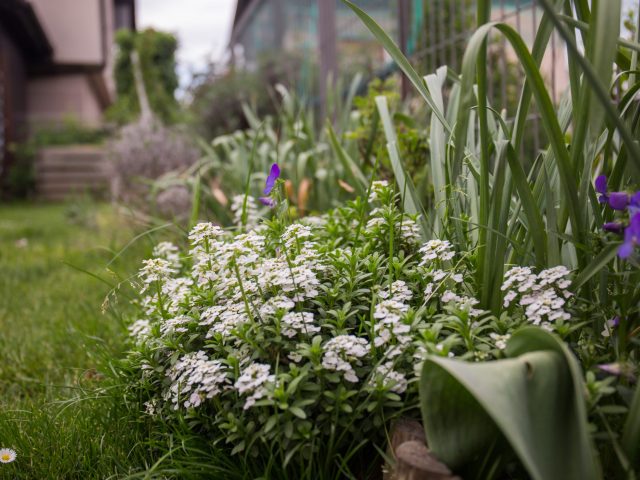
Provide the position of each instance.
(54, 341)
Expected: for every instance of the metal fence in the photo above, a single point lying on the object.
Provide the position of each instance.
(332, 41)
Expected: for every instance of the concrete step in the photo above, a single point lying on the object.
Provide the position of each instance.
(62, 172)
(73, 177)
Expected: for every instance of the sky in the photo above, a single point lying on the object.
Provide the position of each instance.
(202, 27)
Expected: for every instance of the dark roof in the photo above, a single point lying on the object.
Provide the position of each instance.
(20, 22)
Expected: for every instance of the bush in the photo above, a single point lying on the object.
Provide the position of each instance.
(294, 345)
(217, 99)
(158, 65)
(143, 152)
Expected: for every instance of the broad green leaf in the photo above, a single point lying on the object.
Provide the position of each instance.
(631, 432)
(437, 160)
(534, 400)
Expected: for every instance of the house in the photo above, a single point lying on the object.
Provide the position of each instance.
(56, 59)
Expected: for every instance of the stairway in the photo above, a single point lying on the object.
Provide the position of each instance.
(66, 171)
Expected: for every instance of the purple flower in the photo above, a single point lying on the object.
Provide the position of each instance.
(631, 237)
(618, 200)
(601, 188)
(634, 204)
(268, 201)
(613, 227)
(271, 179)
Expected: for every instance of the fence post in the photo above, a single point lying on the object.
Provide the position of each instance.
(327, 47)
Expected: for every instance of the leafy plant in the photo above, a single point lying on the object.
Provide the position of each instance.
(533, 400)
(304, 336)
(158, 65)
(509, 210)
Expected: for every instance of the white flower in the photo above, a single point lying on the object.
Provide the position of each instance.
(295, 234)
(279, 302)
(176, 290)
(250, 209)
(169, 252)
(410, 231)
(377, 188)
(398, 291)
(295, 357)
(156, 269)
(388, 378)
(436, 250)
(343, 351)
(500, 340)
(151, 407)
(449, 296)
(175, 325)
(542, 296)
(224, 319)
(204, 232)
(140, 330)
(253, 381)
(298, 322)
(197, 376)
(7, 455)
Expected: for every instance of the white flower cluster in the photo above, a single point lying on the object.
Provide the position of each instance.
(252, 217)
(500, 341)
(156, 270)
(204, 233)
(195, 378)
(295, 234)
(405, 227)
(342, 352)
(294, 323)
(543, 296)
(389, 314)
(175, 325)
(463, 303)
(377, 188)
(385, 376)
(254, 381)
(436, 250)
(224, 319)
(169, 252)
(140, 330)
(410, 231)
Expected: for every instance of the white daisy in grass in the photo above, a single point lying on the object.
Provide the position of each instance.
(7, 455)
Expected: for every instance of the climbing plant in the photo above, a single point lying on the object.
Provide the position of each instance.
(158, 64)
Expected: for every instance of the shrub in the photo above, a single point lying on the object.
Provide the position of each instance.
(158, 65)
(143, 152)
(217, 99)
(295, 344)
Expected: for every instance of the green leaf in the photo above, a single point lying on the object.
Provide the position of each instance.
(410, 200)
(602, 260)
(395, 52)
(534, 400)
(537, 229)
(603, 37)
(298, 412)
(631, 433)
(353, 171)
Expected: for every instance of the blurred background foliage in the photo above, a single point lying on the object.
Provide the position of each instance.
(158, 64)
